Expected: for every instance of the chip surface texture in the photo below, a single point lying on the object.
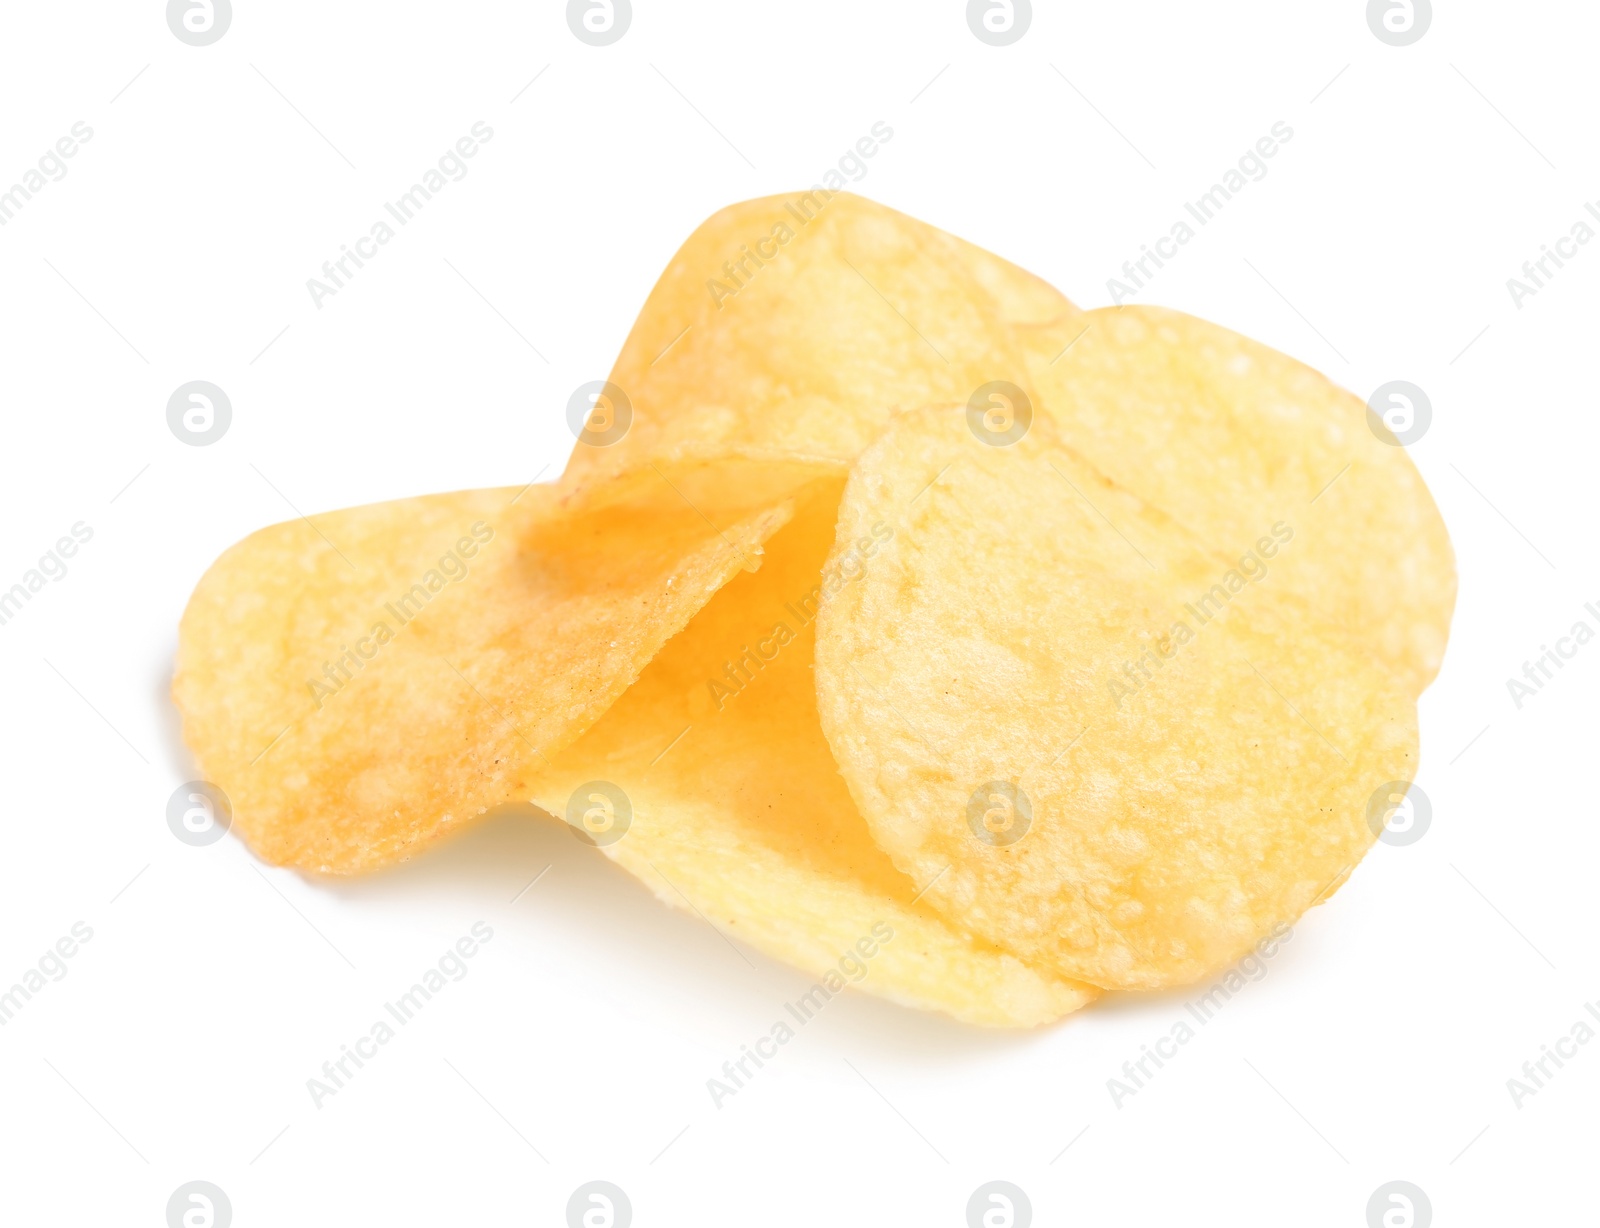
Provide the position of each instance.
(364, 684)
(735, 809)
(1106, 751)
(1230, 437)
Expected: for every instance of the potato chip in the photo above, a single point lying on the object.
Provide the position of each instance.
(710, 780)
(1020, 297)
(363, 682)
(1230, 437)
(1096, 745)
(790, 328)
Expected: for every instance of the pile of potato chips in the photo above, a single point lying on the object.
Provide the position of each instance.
(889, 604)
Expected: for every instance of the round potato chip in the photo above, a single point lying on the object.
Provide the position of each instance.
(710, 780)
(1099, 747)
(791, 328)
(360, 683)
(1230, 437)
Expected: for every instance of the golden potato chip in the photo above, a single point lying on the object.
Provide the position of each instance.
(1098, 746)
(710, 780)
(790, 328)
(1020, 297)
(1229, 437)
(362, 682)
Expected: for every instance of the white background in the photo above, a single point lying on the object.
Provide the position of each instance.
(177, 248)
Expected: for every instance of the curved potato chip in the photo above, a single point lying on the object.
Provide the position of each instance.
(791, 328)
(710, 780)
(1099, 749)
(1020, 297)
(1230, 437)
(361, 684)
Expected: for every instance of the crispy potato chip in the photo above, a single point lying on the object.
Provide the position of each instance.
(1230, 437)
(790, 328)
(710, 780)
(362, 683)
(1102, 749)
(1020, 297)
